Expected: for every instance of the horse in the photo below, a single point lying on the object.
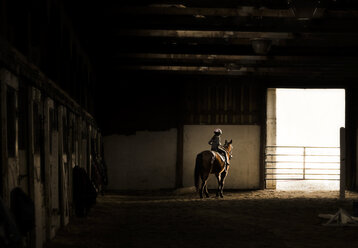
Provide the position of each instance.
(209, 162)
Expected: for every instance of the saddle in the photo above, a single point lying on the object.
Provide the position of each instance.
(221, 156)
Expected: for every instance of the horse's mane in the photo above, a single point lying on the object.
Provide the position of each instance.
(227, 144)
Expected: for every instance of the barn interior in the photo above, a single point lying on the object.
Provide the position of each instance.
(116, 99)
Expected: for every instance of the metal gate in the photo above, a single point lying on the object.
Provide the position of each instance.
(302, 163)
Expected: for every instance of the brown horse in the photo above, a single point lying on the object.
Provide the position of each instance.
(209, 162)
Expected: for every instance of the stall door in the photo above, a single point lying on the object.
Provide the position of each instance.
(37, 164)
(9, 122)
(52, 168)
(63, 166)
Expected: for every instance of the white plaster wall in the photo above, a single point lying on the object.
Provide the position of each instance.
(144, 161)
(244, 172)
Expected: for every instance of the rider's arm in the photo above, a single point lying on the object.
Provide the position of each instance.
(211, 141)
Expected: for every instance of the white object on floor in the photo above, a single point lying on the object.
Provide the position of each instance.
(341, 218)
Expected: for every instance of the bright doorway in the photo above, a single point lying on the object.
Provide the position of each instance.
(303, 127)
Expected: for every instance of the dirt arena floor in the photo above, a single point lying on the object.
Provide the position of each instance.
(171, 219)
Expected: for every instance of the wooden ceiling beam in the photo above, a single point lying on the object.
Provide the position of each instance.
(202, 12)
(234, 61)
(236, 58)
(232, 23)
(236, 35)
(240, 11)
(240, 70)
(204, 34)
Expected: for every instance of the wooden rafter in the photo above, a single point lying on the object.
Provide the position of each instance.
(242, 11)
(220, 57)
(214, 34)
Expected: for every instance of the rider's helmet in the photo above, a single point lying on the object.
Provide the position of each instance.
(218, 131)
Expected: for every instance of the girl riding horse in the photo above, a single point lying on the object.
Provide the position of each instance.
(215, 143)
(209, 162)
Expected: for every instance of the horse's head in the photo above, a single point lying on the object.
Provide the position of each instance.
(228, 147)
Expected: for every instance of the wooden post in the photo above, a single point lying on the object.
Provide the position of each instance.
(30, 158)
(36, 186)
(271, 134)
(47, 183)
(304, 163)
(342, 186)
(3, 165)
(60, 165)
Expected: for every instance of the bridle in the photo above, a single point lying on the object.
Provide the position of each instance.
(230, 152)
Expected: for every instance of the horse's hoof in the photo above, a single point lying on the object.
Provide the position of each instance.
(221, 196)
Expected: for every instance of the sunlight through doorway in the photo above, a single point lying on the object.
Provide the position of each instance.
(308, 123)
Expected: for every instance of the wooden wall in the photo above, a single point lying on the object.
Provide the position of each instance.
(47, 106)
(223, 101)
(42, 31)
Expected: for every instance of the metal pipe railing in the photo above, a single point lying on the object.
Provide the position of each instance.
(309, 169)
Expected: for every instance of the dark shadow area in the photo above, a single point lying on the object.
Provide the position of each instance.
(242, 219)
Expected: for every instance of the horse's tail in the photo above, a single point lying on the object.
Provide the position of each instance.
(198, 165)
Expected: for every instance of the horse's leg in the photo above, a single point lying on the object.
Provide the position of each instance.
(206, 190)
(218, 177)
(203, 189)
(221, 183)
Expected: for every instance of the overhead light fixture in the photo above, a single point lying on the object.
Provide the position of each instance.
(303, 9)
(261, 45)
